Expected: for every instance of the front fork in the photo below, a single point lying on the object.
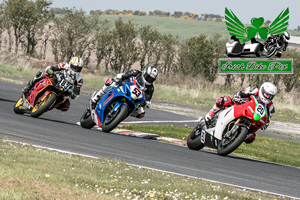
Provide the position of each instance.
(233, 129)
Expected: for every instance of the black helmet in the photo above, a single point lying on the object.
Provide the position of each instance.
(150, 74)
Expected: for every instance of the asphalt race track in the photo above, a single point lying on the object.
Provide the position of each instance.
(59, 130)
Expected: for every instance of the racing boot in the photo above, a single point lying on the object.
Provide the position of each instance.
(96, 98)
(27, 88)
(209, 115)
(138, 113)
(101, 92)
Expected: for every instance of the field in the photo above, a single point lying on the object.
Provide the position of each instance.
(184, 28)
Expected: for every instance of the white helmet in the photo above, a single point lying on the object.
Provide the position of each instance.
(267, 91)
(150, 74)
(76, 64)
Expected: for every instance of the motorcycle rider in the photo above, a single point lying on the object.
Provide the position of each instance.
(281, 40)
(74, 66)
(149, 75)
(266, 92)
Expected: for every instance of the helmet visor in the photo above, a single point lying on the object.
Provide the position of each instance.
(76, 68)
(267, 95)
(149, 78)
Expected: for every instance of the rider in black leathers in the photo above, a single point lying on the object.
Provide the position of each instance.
(149, 75)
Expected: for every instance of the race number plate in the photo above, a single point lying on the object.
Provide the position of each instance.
(137, 93)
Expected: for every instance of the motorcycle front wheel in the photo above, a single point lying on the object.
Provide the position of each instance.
(112, 121)
(44, 105)
(228, 145)
(86, 120)
(17, 109)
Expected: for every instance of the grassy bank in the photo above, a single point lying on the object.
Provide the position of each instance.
(28, 172)
(263, 148)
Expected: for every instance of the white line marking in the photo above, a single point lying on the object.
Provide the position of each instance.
(140, 166)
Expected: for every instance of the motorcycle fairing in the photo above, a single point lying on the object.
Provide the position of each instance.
(118, 96)
(260, 111)
(208, 139)
(224, 118)
(36, 93)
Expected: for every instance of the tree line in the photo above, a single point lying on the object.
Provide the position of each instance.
(176, 14)
(32, 27)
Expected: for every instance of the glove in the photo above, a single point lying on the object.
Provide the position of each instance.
(118, 78)
(264, 127)
(237, 98)
(251, 90)
(117, 81)
(73, 95)
(49, 71)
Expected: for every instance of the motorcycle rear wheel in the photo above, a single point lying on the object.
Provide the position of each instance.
(224, 150)
(86, 120)
(17, 109)
(194, 139)
(44, 105)
(122, 112)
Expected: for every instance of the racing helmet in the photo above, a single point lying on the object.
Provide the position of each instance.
(267, 91)
(76, 64)
(150, 74)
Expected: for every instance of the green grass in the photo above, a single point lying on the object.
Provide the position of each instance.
(263, 148)
(27, 172)
(184, 28)
(17, 71)
(272, 150)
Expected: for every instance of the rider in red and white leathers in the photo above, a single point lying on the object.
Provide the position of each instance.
(266, 93)
(74, 66)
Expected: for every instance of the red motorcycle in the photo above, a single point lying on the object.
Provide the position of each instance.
(229, 127)
(48, 93)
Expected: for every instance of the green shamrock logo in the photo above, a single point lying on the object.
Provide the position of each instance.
(236, 28)
(262, 31)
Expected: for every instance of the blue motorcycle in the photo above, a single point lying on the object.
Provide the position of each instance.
(116, 105)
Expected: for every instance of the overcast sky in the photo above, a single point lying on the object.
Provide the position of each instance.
(245, 10)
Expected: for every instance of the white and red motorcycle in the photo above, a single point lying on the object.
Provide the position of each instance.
(229, 127)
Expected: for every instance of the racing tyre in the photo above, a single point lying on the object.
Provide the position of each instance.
(228, 145)
(86, 120)
(44, 105)
(17, 109)
(111, 122)
(194, 139)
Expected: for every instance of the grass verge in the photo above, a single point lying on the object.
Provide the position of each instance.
(27, 172)
(263, 148)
